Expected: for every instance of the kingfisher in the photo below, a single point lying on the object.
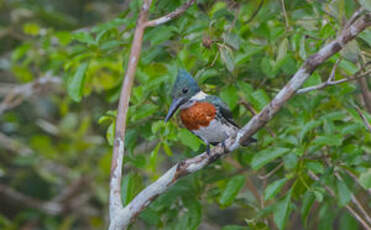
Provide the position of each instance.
(206, 116)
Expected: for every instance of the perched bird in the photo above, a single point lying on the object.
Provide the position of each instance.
(204, 115)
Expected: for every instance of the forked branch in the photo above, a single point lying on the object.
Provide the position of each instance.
(119, 218)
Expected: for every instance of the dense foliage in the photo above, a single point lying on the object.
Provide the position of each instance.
(242, 51)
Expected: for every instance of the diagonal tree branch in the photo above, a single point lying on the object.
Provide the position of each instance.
(191, 165)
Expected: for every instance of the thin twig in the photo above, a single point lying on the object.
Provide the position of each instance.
(364, 119)
(13, 145)
(253, 112)
(363, 85)
(330, 82)
(355, 178)
(170, 16)
(19, 93)
(255, 12)
(332, 193)
(266, 176)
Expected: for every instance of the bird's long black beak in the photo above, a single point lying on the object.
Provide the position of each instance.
(173, 107)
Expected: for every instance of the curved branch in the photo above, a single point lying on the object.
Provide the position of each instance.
(115, 203)
(191, 165)
(170, 16)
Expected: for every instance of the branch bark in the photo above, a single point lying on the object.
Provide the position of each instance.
(191, 165)
(118, 218)
(170, 16)
(118, 148)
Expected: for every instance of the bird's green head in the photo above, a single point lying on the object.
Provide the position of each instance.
(185, 87)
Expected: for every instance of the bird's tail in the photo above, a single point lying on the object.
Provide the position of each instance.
(249, 141)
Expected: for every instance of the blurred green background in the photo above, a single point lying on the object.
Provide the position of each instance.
(55, 137)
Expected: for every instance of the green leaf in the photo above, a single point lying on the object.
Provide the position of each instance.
(334, 140)
(307, 128)
(274, 188)
(84, 38)
(334, 116)
(229, 95)
(290, 160)
(194, 213)
(154, 157)
(266, 67)
(282, 211)
(302, 49)
(159, 35)
(110, 45)
(226, 56)
(150, 216)
(110, 134)
(75, 83)
(263, 157)
(343, 192)
(366, 36)
(31, 29)
(314, 79)
(144, 112)
(167, 149)
(130, 186)
(250, 50)
(282, 49)
(318, 194)
(365, 179)
(315, 166)
(189, 139)
(232, 40)
(233, 187)
(349, 67)
(261, 98)
(308, 200)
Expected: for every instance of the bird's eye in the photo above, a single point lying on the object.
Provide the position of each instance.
(185, 90)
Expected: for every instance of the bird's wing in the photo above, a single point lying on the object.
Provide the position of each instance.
(223, 108)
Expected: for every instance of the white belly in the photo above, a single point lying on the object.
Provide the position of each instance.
(215, 132)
